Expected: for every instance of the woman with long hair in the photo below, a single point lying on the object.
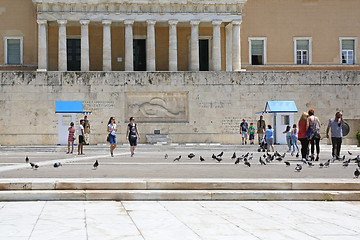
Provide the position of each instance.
(132, 134)
(302, 135)
(111, 128)
(314, 124)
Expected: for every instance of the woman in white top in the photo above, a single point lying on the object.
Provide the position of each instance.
(112, 134)
(294, 138)
(81, 137)
(288, 137)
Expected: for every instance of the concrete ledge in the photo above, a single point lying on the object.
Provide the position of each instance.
(178, 184)
(168, 195)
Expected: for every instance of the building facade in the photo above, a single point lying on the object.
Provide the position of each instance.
(206, 35)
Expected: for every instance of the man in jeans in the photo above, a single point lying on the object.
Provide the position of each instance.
(336, 134)
(244, 128)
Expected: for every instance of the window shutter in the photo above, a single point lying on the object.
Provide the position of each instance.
(13, 51)
(302, 45)
(348, 44)
(257, 47)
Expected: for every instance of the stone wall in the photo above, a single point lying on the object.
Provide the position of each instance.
(189, 106)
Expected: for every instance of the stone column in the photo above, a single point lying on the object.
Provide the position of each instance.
(216, 50)
(85, 64)
(236, 47)
(129, 55)
(194, 45)
(106, 45)
(173, 45)
(150, 46)
(228, 47)
(62, 55)
(42, 45)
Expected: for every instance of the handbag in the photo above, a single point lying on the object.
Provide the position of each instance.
(108, 139)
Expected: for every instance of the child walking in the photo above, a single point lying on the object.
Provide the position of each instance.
(288, 137)
(252, 133)
(71, 138)
(294, 138)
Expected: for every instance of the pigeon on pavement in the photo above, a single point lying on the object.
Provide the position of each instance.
(220, 154)
(202, 159)
(166, 156)
(233, 156)
(57, 164)
(357, 173)
(262, 161)
(27, 159)
(298, 167)
(96, 164)
(287, 163)
(247, 163)
(178, 158)
(191, 155)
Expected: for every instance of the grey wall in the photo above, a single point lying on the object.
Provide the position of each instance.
(190, 107)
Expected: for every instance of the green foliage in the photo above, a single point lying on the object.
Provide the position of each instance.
(358, 137)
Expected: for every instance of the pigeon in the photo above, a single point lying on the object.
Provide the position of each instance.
(246, 155)
(96, 164)
(343, 158)
(191, 155)
(327, 163)
(358, 164)
(220, 154)
(32, 165)
(262, 161)
(297, 155)
(36, 166)
(350, 153)
(298, 167)
(292, 153)
(321, 165)
(303, 161)
(357, 173)
(213, 156)
(27, 159)
(237, 160)
(287, 163)
(279, 159)
(166, 156)
(345, 164)
(233, 156)
(276, 154)
(57, 164)
(247, 163)
(202, 159)
(310, 164)
(268, 159)
(218, 159)
(178, 158)
(251, 157)
(283, 155)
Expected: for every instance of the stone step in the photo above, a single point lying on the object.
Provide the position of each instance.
(158, 138)
(167, 195)
(177, 184)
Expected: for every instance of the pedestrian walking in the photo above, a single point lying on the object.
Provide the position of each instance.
(81, 137)
(251, 134)
(294, 138)
(244, 131)
(302, 135)
(132, 134)
(336, 134)
(288, 137)
(86, 130)
(313, 133)
(269, 138)
(112, 129)
(261, 127)
(71, 138)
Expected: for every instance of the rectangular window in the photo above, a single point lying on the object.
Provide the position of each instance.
(302, 47)
(13, 50)
(257, 52)
(347, 51)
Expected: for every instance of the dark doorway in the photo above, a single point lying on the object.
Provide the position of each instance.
(139, 55)
(204, 54)
(73, 54)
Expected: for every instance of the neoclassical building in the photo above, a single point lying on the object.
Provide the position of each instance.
(179, 35)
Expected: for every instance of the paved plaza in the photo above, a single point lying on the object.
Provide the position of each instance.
(149, 162)
(152, 220)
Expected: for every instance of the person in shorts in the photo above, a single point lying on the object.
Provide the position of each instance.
(132, 134)
(112, 135)
(244, 131)
(269, 137)
(86, 130)
(81, 137)
(251, 134)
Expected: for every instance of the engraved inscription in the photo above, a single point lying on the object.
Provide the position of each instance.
(157, 107)
(95, 105)
(231, 124)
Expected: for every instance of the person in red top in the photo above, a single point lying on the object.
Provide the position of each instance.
(71, 138)
(302, 135)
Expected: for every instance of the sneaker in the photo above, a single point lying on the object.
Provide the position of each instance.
(288, 151)
(132, 154)
(245, 142)
(317, 158)
(242, 144)
(112, 154)
(312, 158)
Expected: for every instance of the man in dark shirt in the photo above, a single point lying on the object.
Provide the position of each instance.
(244, 128)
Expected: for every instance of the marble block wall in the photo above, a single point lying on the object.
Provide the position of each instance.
(188, 106)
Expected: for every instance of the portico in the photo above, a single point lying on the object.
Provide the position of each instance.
(122, 23)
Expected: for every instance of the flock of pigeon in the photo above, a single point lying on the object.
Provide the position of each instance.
(246, 158)
(268, 158)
